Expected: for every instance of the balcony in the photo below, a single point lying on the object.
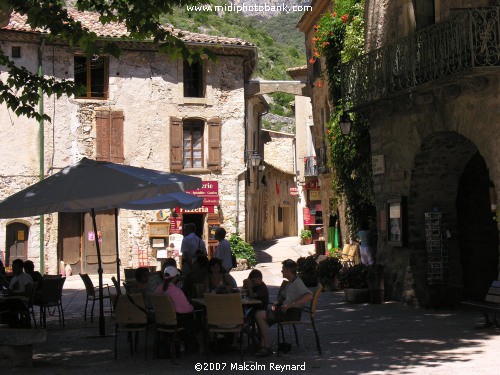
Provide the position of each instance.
(310, 167)
(322, 160)
(468, 40)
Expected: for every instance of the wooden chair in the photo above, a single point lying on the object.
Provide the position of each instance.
(93, 295)
(166, 320)
(350, 255)
(51, 297)
(311, 310)
(130, 317)
(224, 315)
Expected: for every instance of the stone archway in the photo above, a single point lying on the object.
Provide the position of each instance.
(449, 176)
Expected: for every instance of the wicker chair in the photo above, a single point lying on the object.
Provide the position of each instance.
(224, 315)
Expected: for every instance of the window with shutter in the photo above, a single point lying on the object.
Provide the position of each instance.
(193, 144)
(188, 141)
(109, 136)
(176, 163)
(214, 162)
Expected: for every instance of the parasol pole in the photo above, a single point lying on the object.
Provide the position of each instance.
(102, 324)
(118, 262)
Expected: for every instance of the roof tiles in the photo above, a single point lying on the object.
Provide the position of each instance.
(91, 21)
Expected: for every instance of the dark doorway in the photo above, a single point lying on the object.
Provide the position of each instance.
(477, 230)
(16, 242)
(197, 219)
(424, 13)
(70, 239)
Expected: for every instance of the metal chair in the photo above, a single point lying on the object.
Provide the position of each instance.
(117, 285)
(166, 320)
(311, 310)
(224, 315)
(93, 295)
(50, 296)
(31, 309)
(130, 316)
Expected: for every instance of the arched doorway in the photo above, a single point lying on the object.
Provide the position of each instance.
(477, 231)
(451, 177)
(16, 243)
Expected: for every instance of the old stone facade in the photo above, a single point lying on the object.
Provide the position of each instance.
(147, 105)
(435, 142)
(318, 91)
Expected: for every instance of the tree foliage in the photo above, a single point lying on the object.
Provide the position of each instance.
(141, 18)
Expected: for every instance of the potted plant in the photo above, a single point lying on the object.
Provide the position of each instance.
(328, 272)
(353, 280)
(306, 270)
(306, 236)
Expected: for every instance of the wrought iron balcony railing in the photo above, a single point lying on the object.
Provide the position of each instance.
(470, 39)
(322, 160)
(310, 167)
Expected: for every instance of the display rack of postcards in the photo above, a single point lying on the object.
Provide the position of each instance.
(437, 252)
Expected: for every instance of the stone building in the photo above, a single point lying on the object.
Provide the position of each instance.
(142, 109)
(428, 85)
(317, 89)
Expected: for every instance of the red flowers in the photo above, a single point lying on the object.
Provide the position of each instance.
(345, 18)
(312, 60)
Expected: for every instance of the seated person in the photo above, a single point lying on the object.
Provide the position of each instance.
(19, 286)
(37, 277)
(291, 298)
(183, 308)
(196, 277)
(217, 280)
(141, 279)
(257, 289)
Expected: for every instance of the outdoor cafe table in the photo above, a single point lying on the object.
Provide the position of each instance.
(244, 301)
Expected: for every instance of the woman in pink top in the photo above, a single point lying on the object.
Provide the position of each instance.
(183, 308)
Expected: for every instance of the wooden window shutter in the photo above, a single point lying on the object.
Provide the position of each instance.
(214, 162)
(102, 135)
(109, 136)
(116, 132)
(176, 158)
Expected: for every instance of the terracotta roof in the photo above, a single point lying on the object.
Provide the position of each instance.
(90, 20)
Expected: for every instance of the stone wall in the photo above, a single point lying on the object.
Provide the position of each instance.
(147, 87)
(426, 149)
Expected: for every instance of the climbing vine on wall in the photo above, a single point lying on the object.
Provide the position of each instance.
(339, 38)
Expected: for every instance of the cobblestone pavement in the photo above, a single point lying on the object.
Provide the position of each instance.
(390, 338)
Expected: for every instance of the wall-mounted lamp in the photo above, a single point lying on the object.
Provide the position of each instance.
(345, 124)
(253, 157)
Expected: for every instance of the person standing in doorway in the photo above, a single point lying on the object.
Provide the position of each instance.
(191, 246)
(223, 251)
(363, 236)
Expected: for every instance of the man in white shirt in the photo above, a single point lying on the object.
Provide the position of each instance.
(191, 245)
(223, 251)
(20, 287)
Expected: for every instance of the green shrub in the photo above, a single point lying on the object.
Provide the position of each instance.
(328, 269)
(242, 250)
(306, 270)
(354, 277)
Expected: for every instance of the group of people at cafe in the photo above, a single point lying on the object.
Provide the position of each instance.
(199, 275)
(16, 291)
